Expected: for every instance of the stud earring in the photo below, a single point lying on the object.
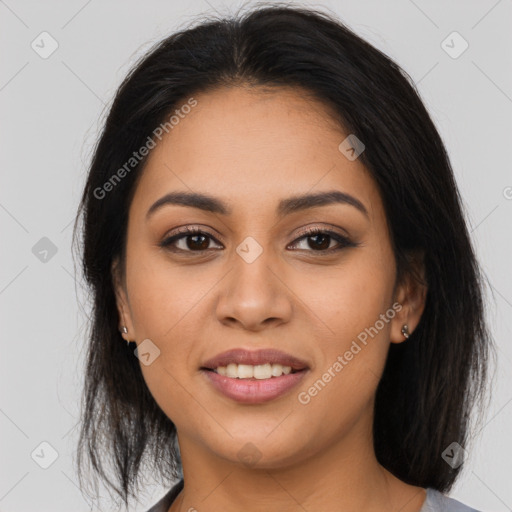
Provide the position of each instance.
(124, 330)
(405, 331)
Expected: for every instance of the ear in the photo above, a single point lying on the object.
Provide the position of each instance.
(123, 307)
(411, 293)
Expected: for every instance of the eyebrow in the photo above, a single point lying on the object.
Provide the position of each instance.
(286, 206)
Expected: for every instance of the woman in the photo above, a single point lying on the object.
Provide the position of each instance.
(271, 223)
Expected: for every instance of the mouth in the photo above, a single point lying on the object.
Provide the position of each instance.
(253, 377)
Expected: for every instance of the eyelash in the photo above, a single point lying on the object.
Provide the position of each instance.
(343, 241)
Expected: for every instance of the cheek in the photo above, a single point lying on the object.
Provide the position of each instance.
(164, 297)
(341, 389)
(169, 306)
(349, 298)
(355, 306)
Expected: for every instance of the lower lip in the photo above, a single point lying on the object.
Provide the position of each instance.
(254, 391)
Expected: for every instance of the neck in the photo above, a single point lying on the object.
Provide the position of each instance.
(343, 476)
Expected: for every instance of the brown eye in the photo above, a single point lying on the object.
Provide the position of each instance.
(320, 241)
(197, 242)
(188, 240)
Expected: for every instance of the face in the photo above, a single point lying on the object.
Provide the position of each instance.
(255, 278)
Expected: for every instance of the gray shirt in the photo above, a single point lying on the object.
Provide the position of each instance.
(435, 502)
(438, 502)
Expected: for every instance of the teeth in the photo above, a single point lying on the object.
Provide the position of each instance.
(232, 371)
(247, 371)
(262, 371)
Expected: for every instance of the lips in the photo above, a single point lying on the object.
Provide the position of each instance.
(252, 391)
(257, 357)
(264, 386)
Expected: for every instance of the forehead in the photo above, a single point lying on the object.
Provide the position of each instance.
(253, 145)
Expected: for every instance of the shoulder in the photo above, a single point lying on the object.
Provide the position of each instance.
(438, 502)
(167, 500)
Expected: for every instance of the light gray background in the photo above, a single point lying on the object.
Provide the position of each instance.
(51, 110)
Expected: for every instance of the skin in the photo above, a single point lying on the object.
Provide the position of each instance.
(251, 148)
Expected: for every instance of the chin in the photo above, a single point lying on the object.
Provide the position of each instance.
(259, 450)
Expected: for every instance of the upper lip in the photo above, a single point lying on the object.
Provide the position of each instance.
(255, 357)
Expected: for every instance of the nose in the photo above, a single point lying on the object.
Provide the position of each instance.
(254, 296)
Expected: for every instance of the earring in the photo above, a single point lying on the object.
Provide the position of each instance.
(405, 331)
(124, 330)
